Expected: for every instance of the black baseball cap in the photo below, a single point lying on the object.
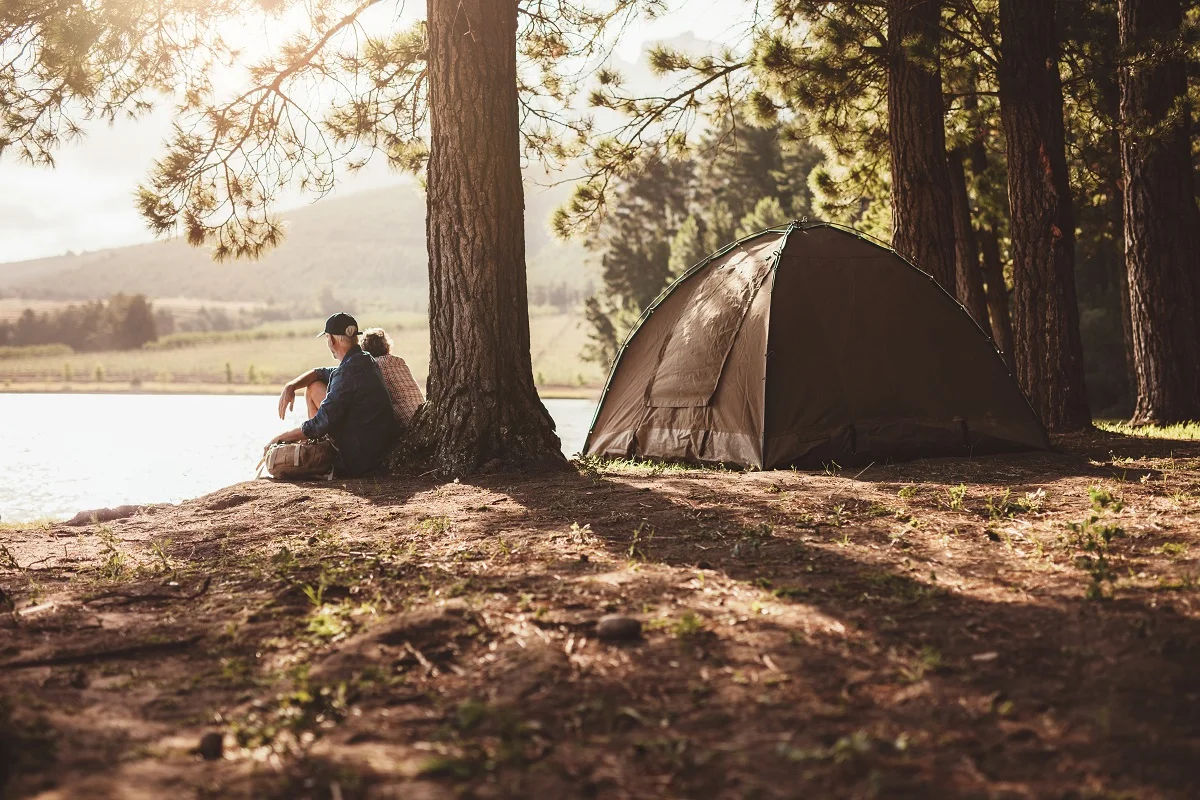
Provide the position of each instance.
(340, 324)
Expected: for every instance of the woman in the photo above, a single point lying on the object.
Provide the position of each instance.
(405, 393)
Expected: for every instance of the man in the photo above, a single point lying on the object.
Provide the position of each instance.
(348, 403)
(397, 377)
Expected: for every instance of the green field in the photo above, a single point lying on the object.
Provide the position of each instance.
(271, 354)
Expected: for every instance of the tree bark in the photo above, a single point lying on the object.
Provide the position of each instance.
(922, 208)
(968, 278)
(1047, 349)
(483, 409)
(1162, 225)
(986, 235)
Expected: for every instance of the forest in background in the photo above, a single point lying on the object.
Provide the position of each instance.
(889, 117)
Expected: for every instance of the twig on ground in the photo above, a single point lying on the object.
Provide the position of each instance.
(8, 560)
(419, 656)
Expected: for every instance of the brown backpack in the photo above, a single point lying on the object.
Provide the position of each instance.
(310, 459)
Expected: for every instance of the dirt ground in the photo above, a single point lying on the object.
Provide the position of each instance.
(1007, 627)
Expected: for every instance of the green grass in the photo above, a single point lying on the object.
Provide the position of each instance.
(1183, 430)
(272, 353)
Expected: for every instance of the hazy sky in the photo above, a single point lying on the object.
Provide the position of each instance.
(86, 202)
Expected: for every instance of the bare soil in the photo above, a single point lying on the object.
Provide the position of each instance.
(1008, 627)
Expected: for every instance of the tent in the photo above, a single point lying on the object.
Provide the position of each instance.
(805, 345)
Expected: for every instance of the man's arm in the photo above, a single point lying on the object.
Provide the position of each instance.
(316, 427)
(288, 396)
(334, 408)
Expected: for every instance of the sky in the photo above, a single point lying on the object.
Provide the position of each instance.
(86, 201)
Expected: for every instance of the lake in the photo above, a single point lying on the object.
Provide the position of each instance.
(64, 453)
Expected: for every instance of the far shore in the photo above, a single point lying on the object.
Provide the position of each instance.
(160, 387)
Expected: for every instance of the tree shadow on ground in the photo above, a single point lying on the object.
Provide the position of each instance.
(1095, 454)
(861, 673)
(805, 634)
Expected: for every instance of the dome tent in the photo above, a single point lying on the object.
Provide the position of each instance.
(804, 345)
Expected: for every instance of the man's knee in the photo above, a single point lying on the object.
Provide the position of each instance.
(314, 395)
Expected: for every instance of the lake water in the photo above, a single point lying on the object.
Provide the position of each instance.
(64, 453)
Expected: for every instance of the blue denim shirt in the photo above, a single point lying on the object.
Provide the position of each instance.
(356, 414)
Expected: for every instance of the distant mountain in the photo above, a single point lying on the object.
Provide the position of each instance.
(367, 248)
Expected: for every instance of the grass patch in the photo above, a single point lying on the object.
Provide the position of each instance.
(1093, 536)
(1183, 430)
(1102, 499)
(433, 526)
(956, 497)
(597, 465)
(293, 720)
(1174, 549)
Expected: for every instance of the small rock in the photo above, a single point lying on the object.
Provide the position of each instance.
(615, 628)
(703, 565)
(211, 745)
(584, 559)
(102, 515)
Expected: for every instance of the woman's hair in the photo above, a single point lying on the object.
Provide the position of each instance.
(376, 342)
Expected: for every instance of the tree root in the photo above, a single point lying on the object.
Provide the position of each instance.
(59, 659)
(129, 597)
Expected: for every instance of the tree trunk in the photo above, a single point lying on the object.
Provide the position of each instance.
(1162, 226)
(1046, 344)
(968, 278)
(1108, 102)
(997, 291)
(483, 409)
(922, 208)
(986, 235)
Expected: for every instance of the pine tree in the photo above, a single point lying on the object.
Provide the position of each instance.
(378, 91)
(1091, 93)
(634, 240)
(673, 214)
(922, 200)
(687, 246)
(968, 275)
(768, 213)
(136, 325)
(483, 407)
(1162, 226)
(1046, 344)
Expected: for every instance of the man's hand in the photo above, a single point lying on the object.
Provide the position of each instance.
(294, 435)
(287, 399)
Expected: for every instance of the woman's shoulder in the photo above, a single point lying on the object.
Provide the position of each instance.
(392, 359)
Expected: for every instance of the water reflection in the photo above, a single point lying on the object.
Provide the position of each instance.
(62, 453)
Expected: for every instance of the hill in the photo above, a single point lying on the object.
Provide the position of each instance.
(367, 248)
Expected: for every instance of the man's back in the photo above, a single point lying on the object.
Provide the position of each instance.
(356, 414)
